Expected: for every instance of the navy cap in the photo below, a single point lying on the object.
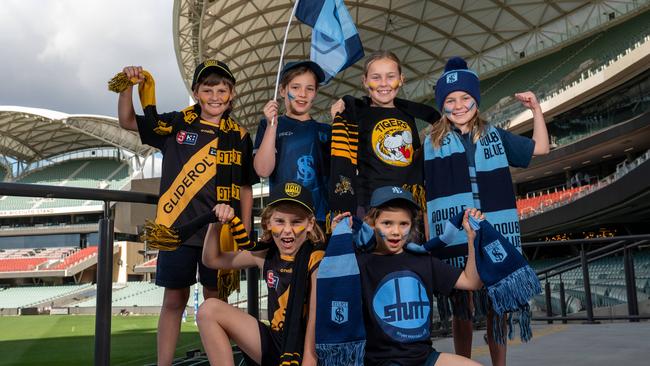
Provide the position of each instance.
(215, 66)
(320, 74)
(291, 191)
(384, 194)
(457, 77)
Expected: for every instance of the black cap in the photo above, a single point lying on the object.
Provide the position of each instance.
(320, 74)
(215, 66)
(291, 191)
(389, 193)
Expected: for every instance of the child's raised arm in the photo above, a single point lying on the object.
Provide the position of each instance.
(214, 258)
(264, 161)
(125, 110)
(540, 133)
(469, 279)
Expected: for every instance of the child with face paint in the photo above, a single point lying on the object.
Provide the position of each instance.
(295, 146)
(397, 286)
(290, 267)
(191, 141)
(467, 164)
(375, 140)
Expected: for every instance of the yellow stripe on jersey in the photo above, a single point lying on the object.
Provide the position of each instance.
(196, 172)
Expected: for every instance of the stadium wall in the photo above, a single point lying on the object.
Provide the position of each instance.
(128, 216)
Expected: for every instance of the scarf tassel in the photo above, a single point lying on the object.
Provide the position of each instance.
(525, 331)
(336, 354)
(160, 237)
(513, 291)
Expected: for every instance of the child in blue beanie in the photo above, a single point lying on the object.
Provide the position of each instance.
(467, 164)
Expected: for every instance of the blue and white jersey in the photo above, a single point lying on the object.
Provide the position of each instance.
(302, 151)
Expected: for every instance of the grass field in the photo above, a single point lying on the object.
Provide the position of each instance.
(69, 340)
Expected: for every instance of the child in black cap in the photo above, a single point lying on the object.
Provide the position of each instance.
(396, 287)
(289, 268)
(193, 142)
(293, 146)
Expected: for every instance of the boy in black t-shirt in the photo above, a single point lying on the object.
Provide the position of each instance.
(207, 159)
(397, 286)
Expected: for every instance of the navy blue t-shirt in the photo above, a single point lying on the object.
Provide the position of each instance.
(302, 151)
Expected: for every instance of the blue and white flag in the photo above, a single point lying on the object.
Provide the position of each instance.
(335, 42)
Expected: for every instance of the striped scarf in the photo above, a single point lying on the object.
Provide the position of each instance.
(344, 159)
(451, 187)
(227, 155)
(340, 332)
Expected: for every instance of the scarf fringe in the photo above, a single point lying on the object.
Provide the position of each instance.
(341, 354)
(525, 330)
(119, 83)
(513, 292)
(160, 237)
(498, 333)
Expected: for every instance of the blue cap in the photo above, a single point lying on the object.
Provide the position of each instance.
(318, 71)
(389, 193)
(457, 77)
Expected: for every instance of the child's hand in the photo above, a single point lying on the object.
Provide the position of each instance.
(134, 73)
(224, 213)
(340, 217)
(271, 112)
(337, 107)
(471, 234)
(528, 99)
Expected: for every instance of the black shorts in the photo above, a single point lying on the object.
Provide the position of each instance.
(177, 268)
(270, 347)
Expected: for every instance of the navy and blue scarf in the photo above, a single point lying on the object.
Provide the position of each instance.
(340, 332)
(451, 186)
(509, 280)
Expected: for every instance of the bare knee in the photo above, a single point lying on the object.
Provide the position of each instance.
(175, 299)
(210, 310)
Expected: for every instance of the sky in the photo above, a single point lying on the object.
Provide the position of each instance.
(60, 54)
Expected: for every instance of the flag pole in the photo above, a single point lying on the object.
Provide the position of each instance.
(284, 44)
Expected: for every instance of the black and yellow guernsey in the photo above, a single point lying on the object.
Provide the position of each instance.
(204, 163)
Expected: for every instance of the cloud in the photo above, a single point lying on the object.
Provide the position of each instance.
(60, 54)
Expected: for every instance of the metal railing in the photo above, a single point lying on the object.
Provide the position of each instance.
(105, 249)
(612, 246)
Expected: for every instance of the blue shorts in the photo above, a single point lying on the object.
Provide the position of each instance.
(177, 268)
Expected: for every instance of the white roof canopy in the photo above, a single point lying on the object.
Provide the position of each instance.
(33, 134)
(491, 35)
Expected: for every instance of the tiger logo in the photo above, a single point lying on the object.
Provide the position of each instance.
(392, 141)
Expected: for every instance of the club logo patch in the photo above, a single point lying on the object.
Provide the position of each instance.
(339, 312)
(452, 77)
(495, 251)
(186, 138)
(272, 279)
(402, 307)
(392, 142)
(292, 189)
(343, 186)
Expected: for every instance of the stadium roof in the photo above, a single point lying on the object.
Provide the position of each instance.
(32, 134)
(492, 35)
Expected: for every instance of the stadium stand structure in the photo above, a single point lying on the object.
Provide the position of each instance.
(607, 283)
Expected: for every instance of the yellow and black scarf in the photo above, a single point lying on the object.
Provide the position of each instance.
(344, 154)
(227, 160)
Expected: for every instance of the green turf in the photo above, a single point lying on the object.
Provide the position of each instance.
(69, 340)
